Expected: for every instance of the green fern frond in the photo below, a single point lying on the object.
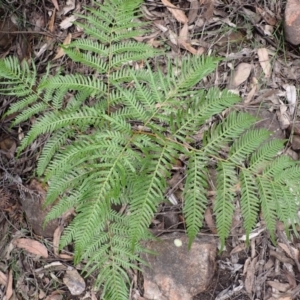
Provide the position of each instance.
(115, 135)
(267, 152)
(224, 202)
(195, 199)
(231, 128)
(268, 205)
(249, 200)
(246, 144)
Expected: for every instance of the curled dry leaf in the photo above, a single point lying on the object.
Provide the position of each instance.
(238, 248)
(271, 20)
(70, 5)
(183, 39)
(291, 96)
(193, 11)
(210, 220)
(283, 117)
(51, 24)
(178, 14)
(288, 249)
(56, 238)
(67, 22)
(250, 276)
(32, 246)
(9, 288)
(3, 278)
(55, 4)
(208, 8)
(281, 287)
(263, 57)
(240, 75)
(61, 51)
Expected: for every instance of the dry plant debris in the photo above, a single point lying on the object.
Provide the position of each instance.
(258, 64)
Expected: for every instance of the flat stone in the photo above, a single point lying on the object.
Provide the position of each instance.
(292, 22)
(175, 272)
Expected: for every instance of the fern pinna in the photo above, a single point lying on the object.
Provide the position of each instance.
(115, 133)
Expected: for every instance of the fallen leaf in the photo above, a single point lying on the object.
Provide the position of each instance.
(291, 96)
(56, 238)
(56, 295)
(184, 33)
(178, 14)
(173, 37)
(8, 146)
(61, 51)
(250, 276)
(193, 11)
(263, 57)
(32, 246)
(210, 221)
(281, 287)
(70, 5)
(183, 39)
(55, 4)
(240, 75)
(208, 8)
(238, 248)
(3, 278)
(290, 278)
(66, 256)
(266, 16)
(51, 23)
(283, 117)
(67, 22)
(188, 47)
(9, 289)
(252, 91)
(288, 249)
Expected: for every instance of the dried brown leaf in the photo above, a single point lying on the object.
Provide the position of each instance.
(250, 276)
(238, 248)
(32, 246)
(70, 5)
(67, 22)
(193, 11)
(263, 57)
(3, 278)
(283, 117)
(184, 33)
(208, 8)
(55, 4)
(240, 75)
(266, 16)
(281, 287)
(290, 278)
(210, 221)
(61, 51)
(56, 238)
(178, 14)
(51, 23)
(66, 256)
(289, 249)
(9, 288)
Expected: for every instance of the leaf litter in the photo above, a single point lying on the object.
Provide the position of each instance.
(257, 64)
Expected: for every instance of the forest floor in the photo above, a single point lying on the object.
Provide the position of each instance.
(257, 63)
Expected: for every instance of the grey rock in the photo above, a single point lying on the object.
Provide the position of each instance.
(175, 272)
(292, 22)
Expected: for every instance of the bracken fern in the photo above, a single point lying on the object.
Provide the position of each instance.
(97, 156)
